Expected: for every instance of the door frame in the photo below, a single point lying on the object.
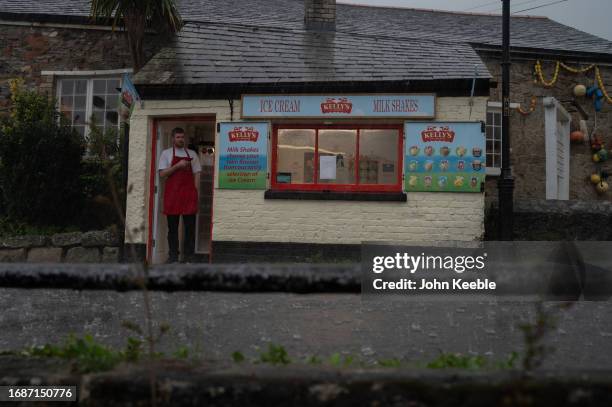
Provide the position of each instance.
(154, 200)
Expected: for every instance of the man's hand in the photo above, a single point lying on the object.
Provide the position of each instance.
(178, 166)
(182, 164)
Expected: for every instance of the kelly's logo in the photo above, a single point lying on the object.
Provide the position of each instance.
(243, 134)
(340, 105)
(433, 133)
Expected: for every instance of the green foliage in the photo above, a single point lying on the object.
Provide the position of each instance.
(181, 353)
(339, 361)
(390, 363)
(86, 354)
(314, 360)
(457, 361)
(238, 357)
(133, 350)
(534, 334)
(275, 355)
(137, 16)
(40, 162)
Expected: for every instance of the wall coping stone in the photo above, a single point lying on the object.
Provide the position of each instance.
(183, 383)
(26, 241)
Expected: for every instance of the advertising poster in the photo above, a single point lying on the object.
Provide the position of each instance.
(127, 98)
(444, 157)
(243, 159)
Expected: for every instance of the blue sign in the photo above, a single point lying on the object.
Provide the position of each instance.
(444, 157)
(339, 106)
(243, 155)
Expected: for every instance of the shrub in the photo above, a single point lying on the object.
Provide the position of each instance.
(40, 162)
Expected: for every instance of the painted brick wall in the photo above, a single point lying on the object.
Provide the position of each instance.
(246, 216)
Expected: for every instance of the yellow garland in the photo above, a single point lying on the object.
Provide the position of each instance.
(551, 83)
(601, 85)
(538, 69)
(577, 70)
(532, 106)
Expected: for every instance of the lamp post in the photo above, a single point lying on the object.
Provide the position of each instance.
(505, 184)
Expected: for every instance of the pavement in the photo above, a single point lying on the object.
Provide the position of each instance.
(215, 324)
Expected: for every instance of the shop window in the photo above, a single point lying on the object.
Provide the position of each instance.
(338, 158)
(82, 98)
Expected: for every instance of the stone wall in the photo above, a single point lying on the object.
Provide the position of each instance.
(556, 220)
(528, 156)
(74, 247)
(27, 50)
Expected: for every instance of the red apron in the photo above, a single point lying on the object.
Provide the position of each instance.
(180, 194)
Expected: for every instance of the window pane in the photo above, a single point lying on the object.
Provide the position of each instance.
(67, 87)
(497, 133)
(112, 101)
(112, 118)
(98, 102)
(78, 117)
(66, 103)
(99, 86)
(378, 156)
(490, 119)
(80, 87)
(337, 150)
(295, 160)
(111, 86)
(79, 102)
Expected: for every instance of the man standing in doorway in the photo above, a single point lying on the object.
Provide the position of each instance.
(182, 168)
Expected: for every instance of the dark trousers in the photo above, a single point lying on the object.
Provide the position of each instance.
(173, 238)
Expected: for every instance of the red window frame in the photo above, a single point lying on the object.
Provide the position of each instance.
(338, 187)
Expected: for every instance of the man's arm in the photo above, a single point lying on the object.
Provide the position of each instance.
(171, 170)
(196, 178)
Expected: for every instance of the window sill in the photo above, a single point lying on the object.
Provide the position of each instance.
(337, 196)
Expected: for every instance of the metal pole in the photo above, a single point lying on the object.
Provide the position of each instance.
(505, 184)
(125, 145)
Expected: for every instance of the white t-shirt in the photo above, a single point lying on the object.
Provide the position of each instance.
(165, 160)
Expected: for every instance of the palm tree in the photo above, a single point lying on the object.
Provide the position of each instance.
(136, 16)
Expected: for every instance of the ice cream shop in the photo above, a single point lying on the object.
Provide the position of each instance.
(309, 142)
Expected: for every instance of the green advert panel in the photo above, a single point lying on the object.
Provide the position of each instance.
(444, 157)
(243, 160)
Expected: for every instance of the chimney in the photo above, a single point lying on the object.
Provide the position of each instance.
(320, 15)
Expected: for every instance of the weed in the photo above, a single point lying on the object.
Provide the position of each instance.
(238, 357)
(314, 360)
(276, 355)
(457, 361)
(337, 360)
(389, 363)
(86, 354)
(181, 353)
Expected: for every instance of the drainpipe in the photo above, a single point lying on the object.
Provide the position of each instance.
(505, 184)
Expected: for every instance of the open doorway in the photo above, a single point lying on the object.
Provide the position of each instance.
(200, 137)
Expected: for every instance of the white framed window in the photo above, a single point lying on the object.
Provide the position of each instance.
(494, 136)
(494, 139)
(80, 98)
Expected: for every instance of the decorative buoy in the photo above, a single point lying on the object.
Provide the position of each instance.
(602, 187)
(595, 178)
(580, 90)
(577, 137)
(603, 155)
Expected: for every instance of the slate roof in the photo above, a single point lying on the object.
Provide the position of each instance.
(527, 32)
(222, 53)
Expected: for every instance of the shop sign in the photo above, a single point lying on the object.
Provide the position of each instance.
(243, 155)
(444, 157)
(339, 106)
